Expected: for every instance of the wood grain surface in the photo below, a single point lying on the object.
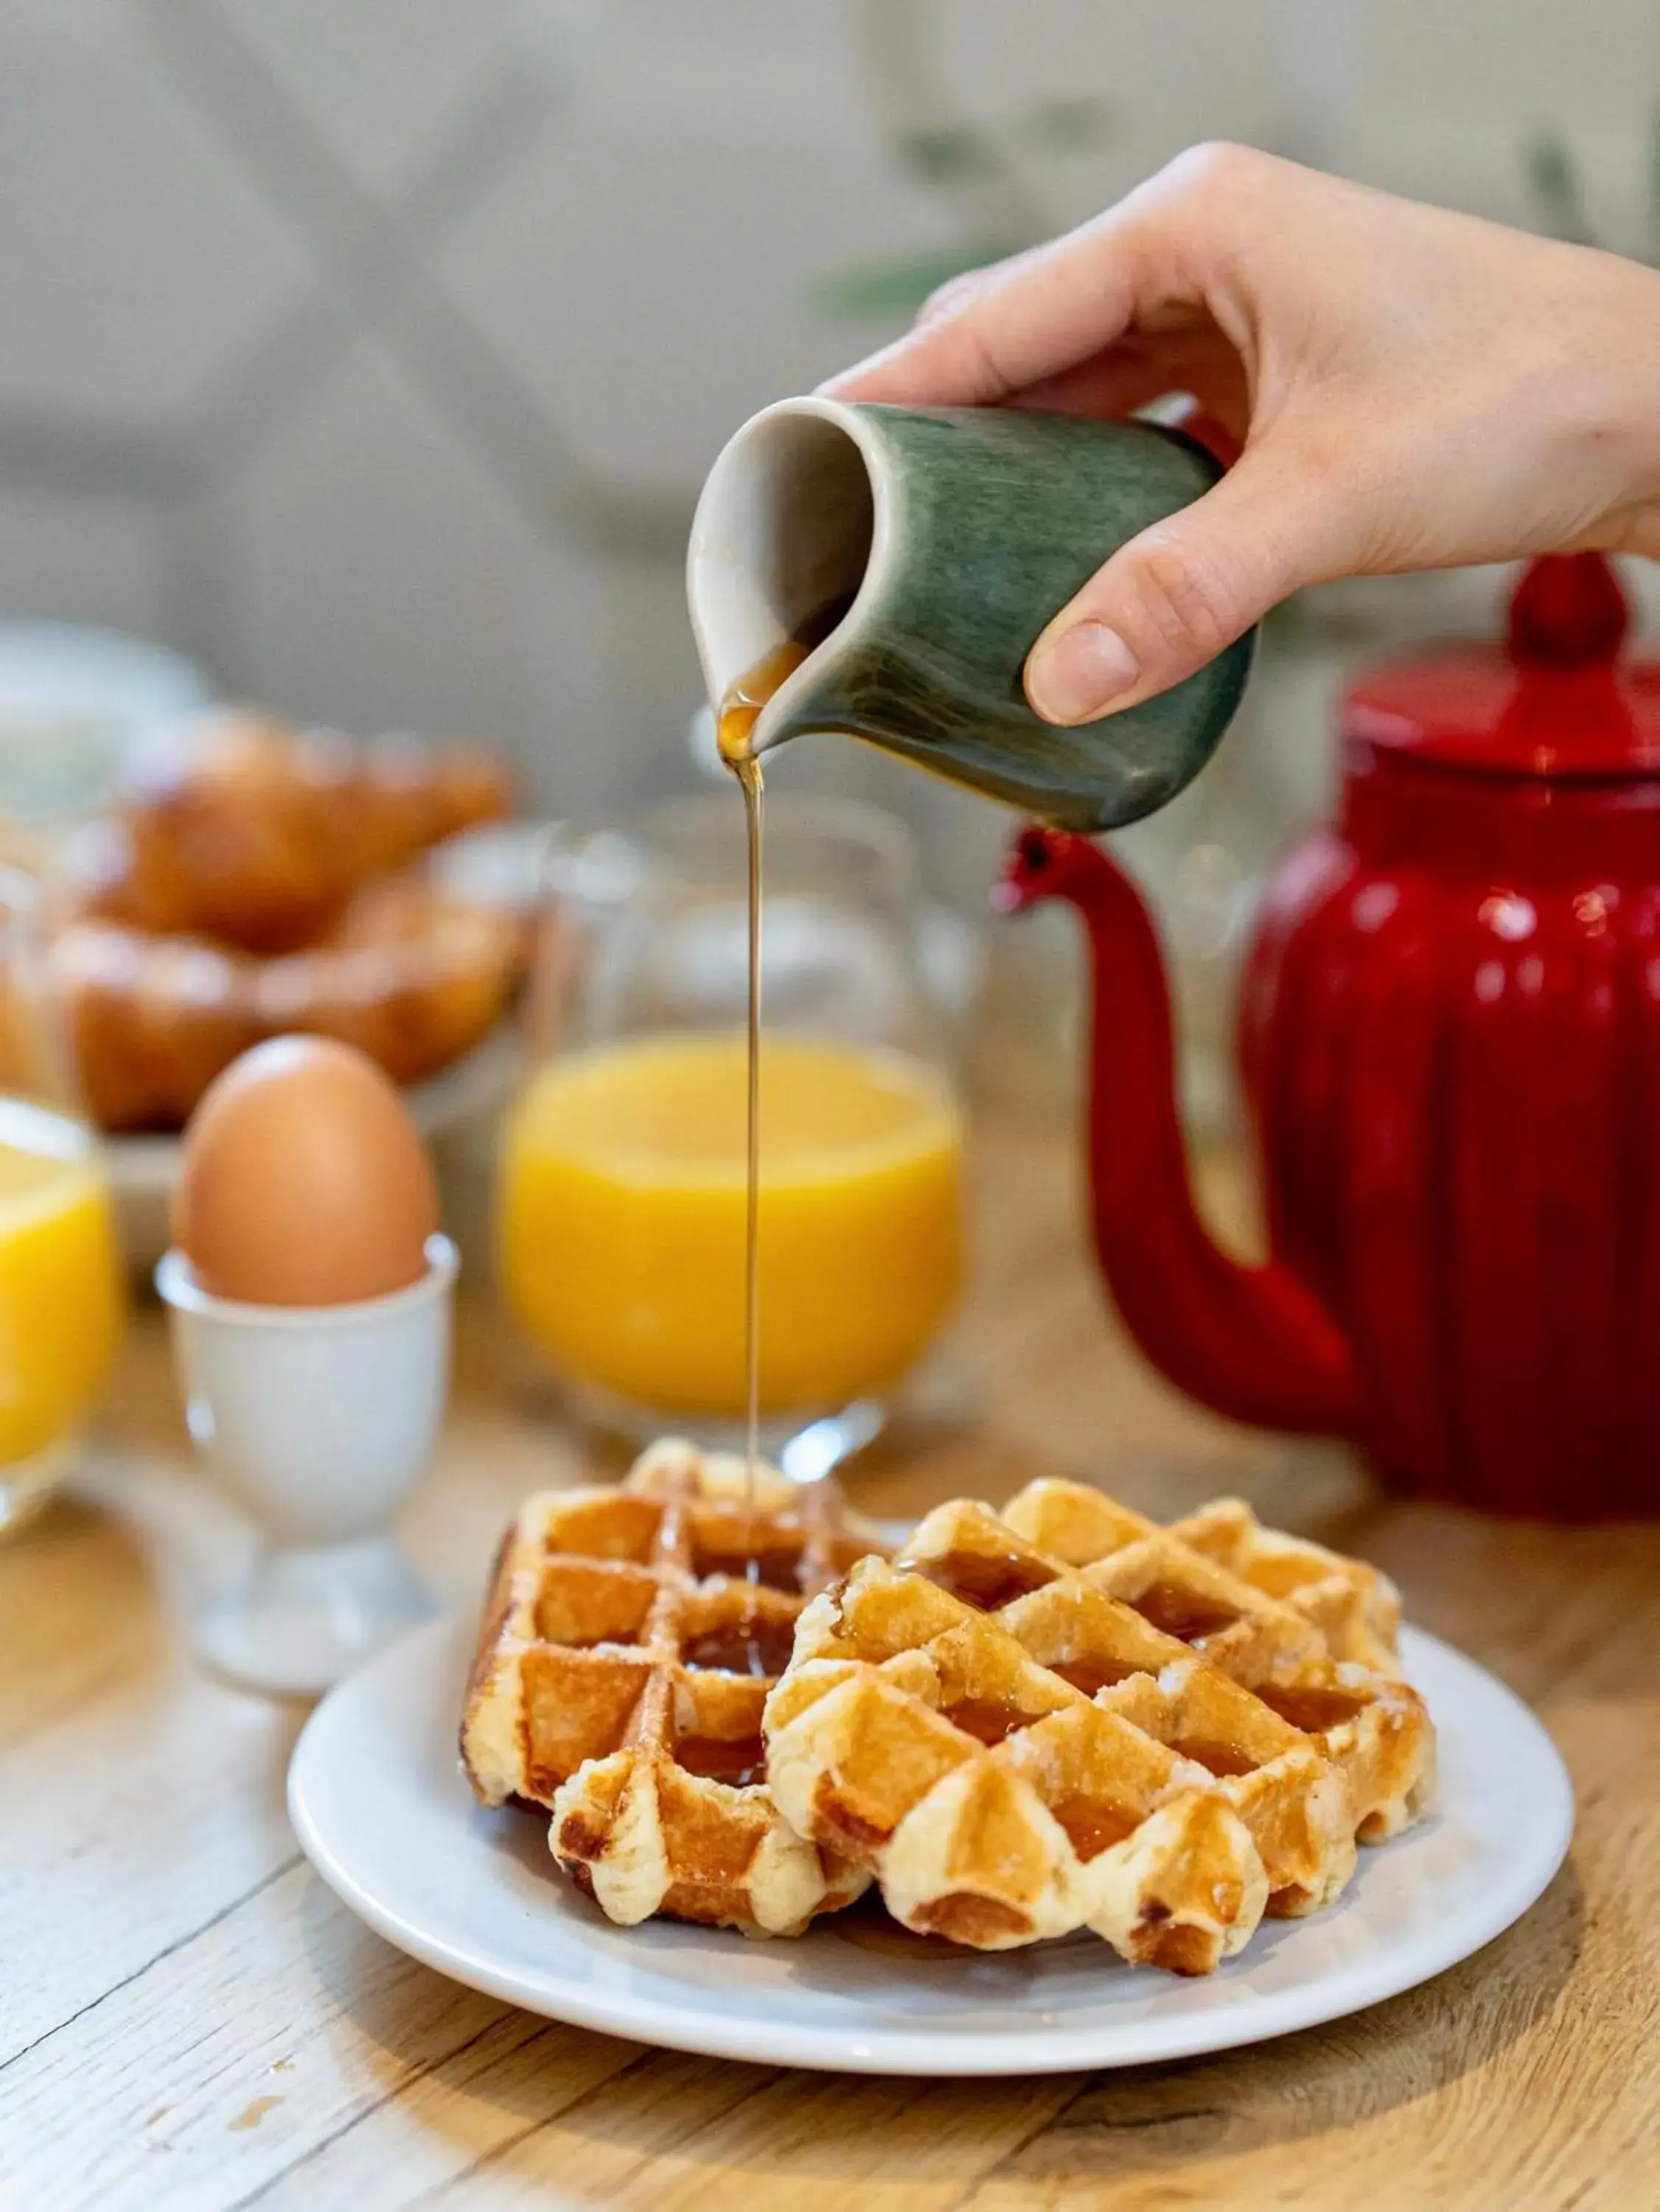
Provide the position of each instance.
(189, 2020)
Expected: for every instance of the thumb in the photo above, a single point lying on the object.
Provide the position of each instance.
(1173, 598)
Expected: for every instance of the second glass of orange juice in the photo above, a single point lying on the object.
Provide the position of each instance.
(60, 1278)
(621, 1193)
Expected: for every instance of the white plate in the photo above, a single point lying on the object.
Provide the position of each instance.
(377, 1800)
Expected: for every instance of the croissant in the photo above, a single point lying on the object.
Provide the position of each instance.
(255, 879)
(414, 979)
(238, 828)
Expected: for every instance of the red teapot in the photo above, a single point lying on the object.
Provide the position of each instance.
(1450, 1040)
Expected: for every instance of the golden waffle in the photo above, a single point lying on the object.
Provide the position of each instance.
(1369, 1724)
(628, 1644)
(1015, 1748)
(996, 1802)
(1355, 1609)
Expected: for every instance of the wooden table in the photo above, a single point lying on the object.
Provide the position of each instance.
(189, 2020)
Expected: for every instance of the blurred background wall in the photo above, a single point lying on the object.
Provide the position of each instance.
(370, 351)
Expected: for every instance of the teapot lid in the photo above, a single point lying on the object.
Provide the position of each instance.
(1555, 700)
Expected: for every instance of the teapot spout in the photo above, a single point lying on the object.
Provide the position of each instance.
(1253, 1343)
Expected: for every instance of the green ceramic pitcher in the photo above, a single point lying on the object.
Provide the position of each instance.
(933, 544)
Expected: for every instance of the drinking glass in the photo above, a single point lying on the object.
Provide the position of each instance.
(622, 1192)
(60, 1278)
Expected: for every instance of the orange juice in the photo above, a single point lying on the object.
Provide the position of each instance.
(621, 1218)
(60, 1296)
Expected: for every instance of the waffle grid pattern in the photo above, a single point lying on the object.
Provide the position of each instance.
(631, 1640)
(1120, 1733)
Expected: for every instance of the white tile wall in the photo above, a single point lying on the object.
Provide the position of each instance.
(372, 352)
(1171, 73)
(135, 261)
(98, 558)
(384, 81)
(1498, 62)
(378, 571)
(646, 271)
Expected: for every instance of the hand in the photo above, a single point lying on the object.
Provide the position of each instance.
(1411, 389)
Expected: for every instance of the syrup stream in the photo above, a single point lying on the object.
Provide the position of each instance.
(734, 726)
(747, 771)
(740, 710)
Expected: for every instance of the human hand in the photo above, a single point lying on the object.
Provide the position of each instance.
(1411, 389)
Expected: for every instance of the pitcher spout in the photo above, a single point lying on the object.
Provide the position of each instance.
(785, 536)
(1253, 1343)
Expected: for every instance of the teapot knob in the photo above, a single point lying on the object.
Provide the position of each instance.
(1568, 611)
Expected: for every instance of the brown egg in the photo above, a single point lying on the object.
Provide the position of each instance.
(303, 1181)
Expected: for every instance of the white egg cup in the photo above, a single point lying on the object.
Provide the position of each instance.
(320, 1420)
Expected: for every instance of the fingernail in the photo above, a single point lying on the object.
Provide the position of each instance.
(1078, 675)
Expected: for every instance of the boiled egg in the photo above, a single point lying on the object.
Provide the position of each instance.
(304, 1182)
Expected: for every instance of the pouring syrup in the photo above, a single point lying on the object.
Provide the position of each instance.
(734, 728)
(739, 713)
(740, 710)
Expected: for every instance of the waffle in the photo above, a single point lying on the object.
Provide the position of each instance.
(1015, 1750)
(1364, 1719)
(1355, 1609)
(623, 1661)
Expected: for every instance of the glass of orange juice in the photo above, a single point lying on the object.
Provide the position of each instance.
(622, 1190)
(60, 1280)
